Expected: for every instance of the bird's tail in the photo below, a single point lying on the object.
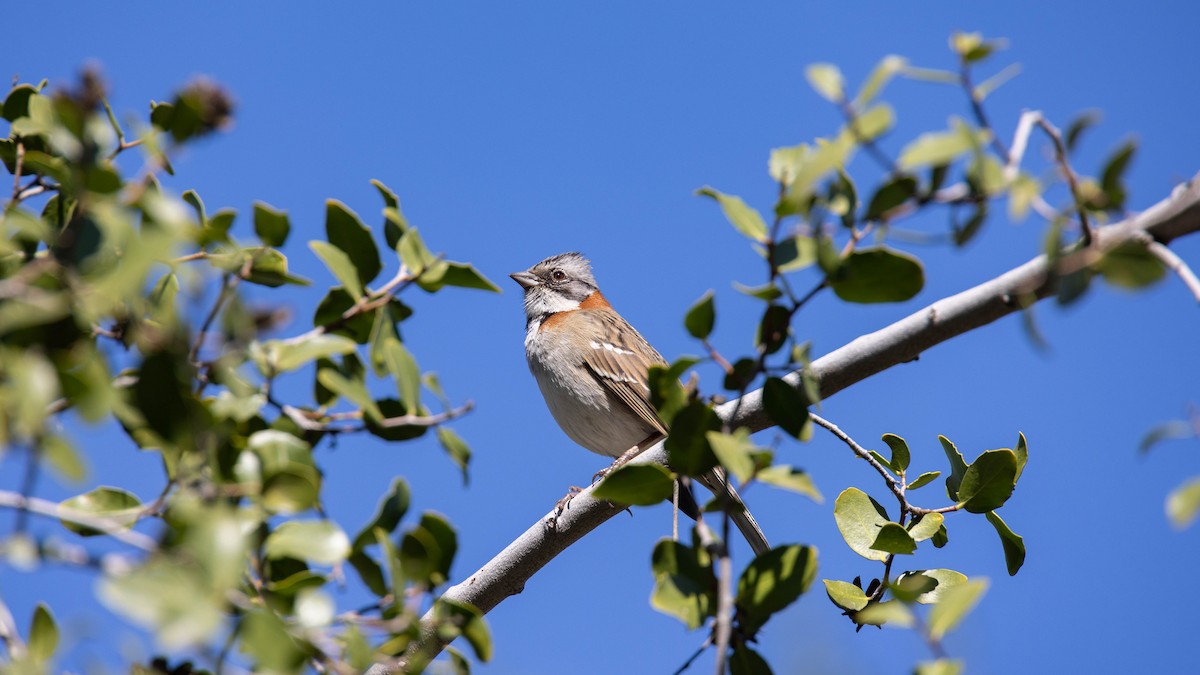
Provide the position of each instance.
(716, 481)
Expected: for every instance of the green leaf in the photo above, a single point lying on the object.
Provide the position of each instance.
(687, 446)
(1173, 430)
(891, 612)
(773, 581)
(287, 355)
(1184, 503)
(404, 370)
(119, 507)
(941, 147)
(890, 195)
(464, 275)
(354, 391)
(428, 550)
(66, 461)
(893, 538)
(786, 406)
(941, 667)
(1130, 265)
(684, 585)
(456, 447)
(457, 618)
(734, 451)
(791, 478)
(900, 453)
(339, 264)
(924, 479)
(43, 635)
(971, 47)
(330, 311)
(884, 71)
(1112, 179)
(266, 640)
(826, 80)
(701, 317)
(271, 226)
(845, 595)
(958, 467)
(636, 484)
(1022, 193)
(387, 516)
(988, 481)
(1077, 126)
(878, 274)
(768, 292)
(859, 518)
(743, 218)
(1022, 453)
(746, 661)
(927, 526)
(290, 480)
(944, 578)
(954, 606)
(874, 123)
(319, 541)
(1014, 544)
(773, 328)
(344, 230)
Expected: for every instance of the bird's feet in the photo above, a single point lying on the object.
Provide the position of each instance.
(565, 503)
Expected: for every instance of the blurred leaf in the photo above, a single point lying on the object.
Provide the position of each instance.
(455, 619)
(684, 585)
(773, 328)
(172, 599)
(119, 507)
(287, 355)
(773, 581)
(964, 233)
(900, 453)
(636, 484)
(354, 391)
(1078, 126)
(66, 461)
(958, 467)
(924, 479)
(890, 195)
(768, 292)
(1167, 431)
(887, 68)
(687, 446)
(891, 612)
(878, 274)
(786, 406)
(701, 317)
(1014, 544)
(456, 447)
(945, 579)
(271, 226)
(988, 481)
(942, 147)
(319, 541)
(845, 595)
(843, 202)
(1112, 179)
(1130, 265)
(404, 370)
(972, 47)
(331, 309)
(791, 478)
(1184, 503)
(927, 526)
(893, 538)
(734, 451)
(291, 481)
(344, 230)
(387, 516)
(1025, 189)
(875, 122)
(743, 218)
(985, 88)
(940, 667)
(464, 275)
(428, 550)
(265, 638)
(954, 606)
(859, 518)
(746, 661)
(339, 264)
(43, 635)
(826, 80)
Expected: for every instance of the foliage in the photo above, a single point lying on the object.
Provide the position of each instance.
(122, 303)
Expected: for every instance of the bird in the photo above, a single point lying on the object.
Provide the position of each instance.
(592, 368)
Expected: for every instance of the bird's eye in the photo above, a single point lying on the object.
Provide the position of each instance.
(558, 275)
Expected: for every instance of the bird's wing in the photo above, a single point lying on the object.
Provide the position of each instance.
(620, 358)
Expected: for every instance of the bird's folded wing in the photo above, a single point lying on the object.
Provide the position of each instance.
(620, 359)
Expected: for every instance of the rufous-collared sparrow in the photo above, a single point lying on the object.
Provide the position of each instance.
(592, 368)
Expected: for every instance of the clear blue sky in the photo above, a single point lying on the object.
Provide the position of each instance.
(518, 130)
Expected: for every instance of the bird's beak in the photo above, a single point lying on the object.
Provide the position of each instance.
(526, 279)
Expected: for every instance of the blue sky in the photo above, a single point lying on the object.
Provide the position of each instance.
(519, 131)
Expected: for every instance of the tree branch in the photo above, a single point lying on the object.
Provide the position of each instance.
(506, 574)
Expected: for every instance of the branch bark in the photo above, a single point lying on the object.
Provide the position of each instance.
(506, 574)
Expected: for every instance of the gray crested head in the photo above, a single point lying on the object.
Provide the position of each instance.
(557, 284)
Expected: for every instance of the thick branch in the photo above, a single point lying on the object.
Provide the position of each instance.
(505, 575)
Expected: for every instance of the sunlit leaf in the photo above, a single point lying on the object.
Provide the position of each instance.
(636, 484)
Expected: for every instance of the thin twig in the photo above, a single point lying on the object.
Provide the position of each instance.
(1175, 264)
(977, 108)
(1060, 152)
(304, 420)
(20, 162)
(695, 655)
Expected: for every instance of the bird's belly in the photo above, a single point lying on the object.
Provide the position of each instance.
(593, 418)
